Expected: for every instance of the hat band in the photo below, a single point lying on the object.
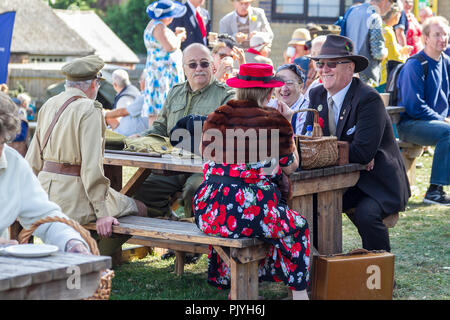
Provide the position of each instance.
(158, 11)
(252, 78)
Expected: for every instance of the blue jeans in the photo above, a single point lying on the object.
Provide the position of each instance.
(430, 133)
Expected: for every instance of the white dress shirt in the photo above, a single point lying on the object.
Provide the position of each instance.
(23, 198)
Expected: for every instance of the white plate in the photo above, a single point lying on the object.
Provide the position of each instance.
(31, 250)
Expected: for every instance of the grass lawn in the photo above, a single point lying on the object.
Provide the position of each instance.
(420, 242)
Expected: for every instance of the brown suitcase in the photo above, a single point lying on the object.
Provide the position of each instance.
(358, 275)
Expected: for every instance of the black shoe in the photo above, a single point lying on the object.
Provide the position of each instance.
(437, 196)
(169, 254)
(191, 259)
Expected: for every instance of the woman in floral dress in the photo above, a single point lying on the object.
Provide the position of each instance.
(240, 197)
(164, 66)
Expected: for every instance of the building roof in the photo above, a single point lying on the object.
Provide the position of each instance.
(91, 28)
(38, 30)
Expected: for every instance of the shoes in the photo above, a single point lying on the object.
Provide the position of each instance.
(437, 195)
(191, 259)
(169, 254)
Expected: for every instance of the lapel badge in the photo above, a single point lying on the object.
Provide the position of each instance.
(319, 108)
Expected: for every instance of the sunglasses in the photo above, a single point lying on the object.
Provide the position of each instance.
(330, 64)
(194, 65)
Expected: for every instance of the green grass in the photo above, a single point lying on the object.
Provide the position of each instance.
(420, 242)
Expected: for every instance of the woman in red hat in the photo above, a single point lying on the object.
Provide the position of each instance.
(247, 148)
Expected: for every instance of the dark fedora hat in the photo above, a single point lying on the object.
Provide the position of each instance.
(336, 46)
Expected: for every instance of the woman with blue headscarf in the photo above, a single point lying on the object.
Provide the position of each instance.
(164, 65)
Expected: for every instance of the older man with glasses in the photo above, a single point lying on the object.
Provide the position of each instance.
(354, 112)
(201, 94)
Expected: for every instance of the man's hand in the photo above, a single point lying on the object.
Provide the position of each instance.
(241, 37)
(370, 165)
(104, 226)
(76, 246)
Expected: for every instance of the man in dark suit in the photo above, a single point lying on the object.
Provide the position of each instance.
(196, 21)
(354, 112)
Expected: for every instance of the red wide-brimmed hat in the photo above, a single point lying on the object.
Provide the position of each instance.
(255, 75)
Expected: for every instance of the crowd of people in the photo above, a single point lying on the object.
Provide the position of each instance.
(228, 80)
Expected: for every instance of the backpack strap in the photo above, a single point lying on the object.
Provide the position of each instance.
(53, 123)
(423, 62)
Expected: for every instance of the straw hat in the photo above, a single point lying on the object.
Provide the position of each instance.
(300, 36)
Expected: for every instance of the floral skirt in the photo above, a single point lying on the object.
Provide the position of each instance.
(232, 206)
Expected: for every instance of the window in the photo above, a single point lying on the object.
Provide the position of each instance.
(321, 11)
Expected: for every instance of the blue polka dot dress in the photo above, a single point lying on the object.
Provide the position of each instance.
(163, 70)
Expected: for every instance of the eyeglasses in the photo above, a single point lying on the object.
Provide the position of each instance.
(290, 83)
(194, 65)
(330, 64)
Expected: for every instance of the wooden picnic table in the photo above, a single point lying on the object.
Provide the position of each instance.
(317, 193)
(52, 277)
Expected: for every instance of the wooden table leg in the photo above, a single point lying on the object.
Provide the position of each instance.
(329, 222)
(243, 264)
(135, 181)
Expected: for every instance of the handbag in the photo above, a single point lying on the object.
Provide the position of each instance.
(316, 150)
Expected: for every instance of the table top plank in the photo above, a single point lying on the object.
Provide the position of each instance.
(169, 163)
(16, 272)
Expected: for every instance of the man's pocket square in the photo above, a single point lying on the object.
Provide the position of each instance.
(351, 130)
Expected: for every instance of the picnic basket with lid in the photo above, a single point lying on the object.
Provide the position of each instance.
(104, 290)
(316, 150)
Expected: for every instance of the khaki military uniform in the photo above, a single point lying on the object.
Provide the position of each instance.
(78, 138)
(181, 101)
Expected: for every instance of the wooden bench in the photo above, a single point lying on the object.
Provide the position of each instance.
(410, 153)
(242, 255)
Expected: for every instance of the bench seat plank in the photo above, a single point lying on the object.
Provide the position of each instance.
(173, 230)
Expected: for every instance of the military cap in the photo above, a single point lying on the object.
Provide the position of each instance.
(85, 68)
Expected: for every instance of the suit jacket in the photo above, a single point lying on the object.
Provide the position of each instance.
(228, 23)
(189, 22)
(365, 124)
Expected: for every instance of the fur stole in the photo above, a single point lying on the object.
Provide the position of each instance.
(256, 124)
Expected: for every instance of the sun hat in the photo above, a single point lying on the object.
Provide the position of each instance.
(259, 40)
(255, 75)
(300, 36)
(162, 9)
(336, 46)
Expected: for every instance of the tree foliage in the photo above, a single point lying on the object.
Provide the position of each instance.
(71, 4)
(129, 21)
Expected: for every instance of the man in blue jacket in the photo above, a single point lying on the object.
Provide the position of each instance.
(425, 94)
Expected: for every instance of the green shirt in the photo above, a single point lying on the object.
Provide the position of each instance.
(182, 101)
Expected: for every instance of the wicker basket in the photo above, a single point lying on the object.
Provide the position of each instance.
(104, 289)
(317, 151)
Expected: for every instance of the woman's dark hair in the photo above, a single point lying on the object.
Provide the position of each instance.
(227, 39)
